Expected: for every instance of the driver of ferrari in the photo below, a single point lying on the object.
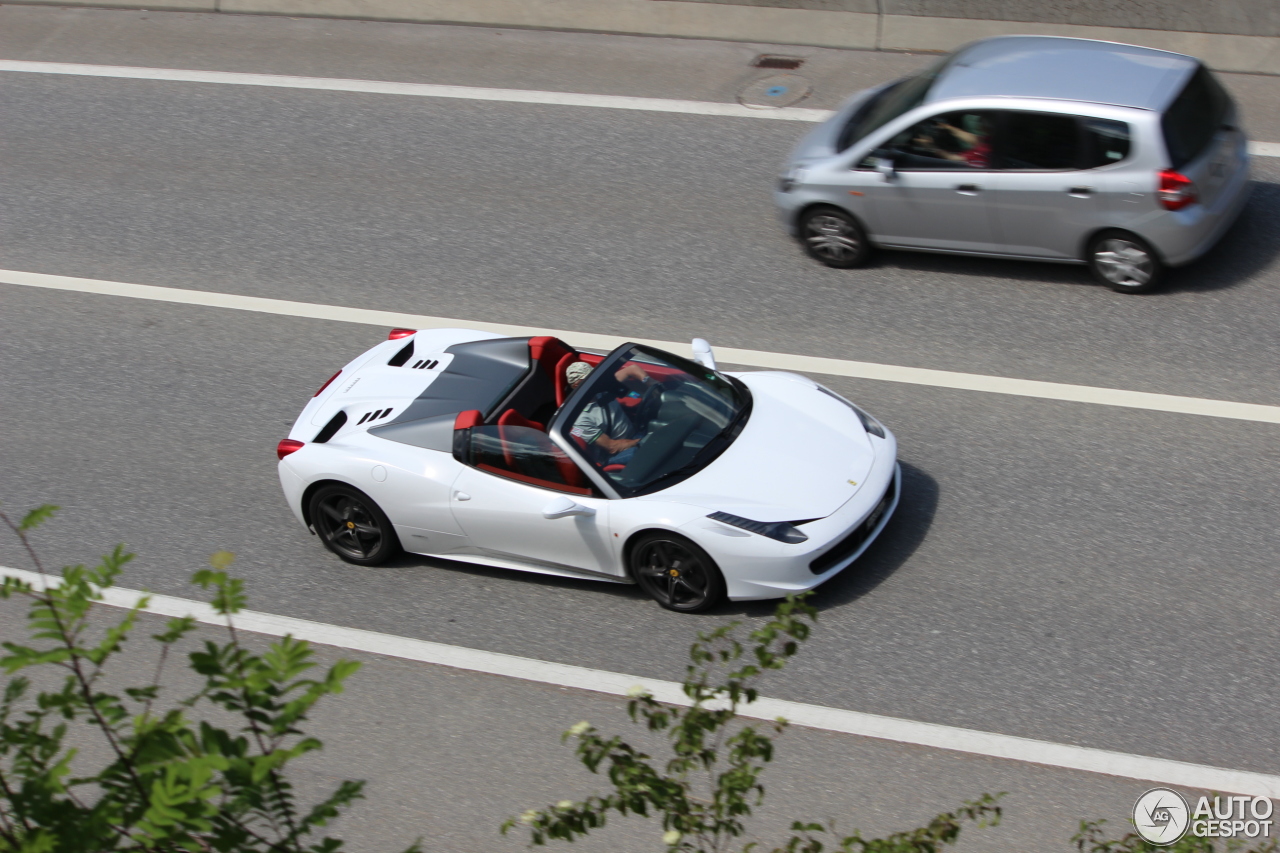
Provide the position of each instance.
(604, 422)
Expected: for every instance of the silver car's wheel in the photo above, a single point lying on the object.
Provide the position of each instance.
(833, 237)
(1124, 263)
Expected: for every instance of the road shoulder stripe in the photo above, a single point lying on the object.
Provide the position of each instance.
(422, 90)
(728, 355)
(470, 93)
(1065, 756)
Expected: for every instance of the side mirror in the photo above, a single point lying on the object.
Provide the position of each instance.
(885, 166)
(564, 507)
(702, 354)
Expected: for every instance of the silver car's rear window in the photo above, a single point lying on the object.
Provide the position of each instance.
(1194, 117)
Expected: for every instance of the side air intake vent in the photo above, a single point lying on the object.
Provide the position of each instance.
(331, 428)
(374, 416)
(401, 357)
(425, 364)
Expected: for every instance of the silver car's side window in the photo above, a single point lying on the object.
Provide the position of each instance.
(1040, 142)
(959, 140)
(1106, 142)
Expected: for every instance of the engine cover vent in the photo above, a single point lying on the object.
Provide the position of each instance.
(376, 415)
(405, 353)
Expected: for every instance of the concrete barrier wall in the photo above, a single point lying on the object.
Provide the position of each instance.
(821, 23)
(1234, 17)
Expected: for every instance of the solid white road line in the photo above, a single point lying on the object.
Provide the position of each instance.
(1197, 776)
(426, 90)
(728, 355)
(470, 93)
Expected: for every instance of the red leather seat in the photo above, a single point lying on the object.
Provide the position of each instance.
(569, 472)
(553, 357)
(562, 383)
(513, 418)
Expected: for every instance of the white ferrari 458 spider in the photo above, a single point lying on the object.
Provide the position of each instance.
(638, 466)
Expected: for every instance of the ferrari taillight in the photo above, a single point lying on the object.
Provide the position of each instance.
(397, 334)
(287, 446)
(1175, 190)
(326, 383)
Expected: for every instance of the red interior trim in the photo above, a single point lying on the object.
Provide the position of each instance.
(468, 419)
(534, 481)
(513, 418)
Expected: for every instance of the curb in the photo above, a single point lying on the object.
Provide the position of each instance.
(725, 22)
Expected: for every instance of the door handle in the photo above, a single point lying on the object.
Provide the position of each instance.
(563, 507)
(462, 496)
(1080, 192)
(968, 189)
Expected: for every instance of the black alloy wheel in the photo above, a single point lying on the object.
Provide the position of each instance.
(676, 573)
(833, 237)
(352, 526)
(1124, 262)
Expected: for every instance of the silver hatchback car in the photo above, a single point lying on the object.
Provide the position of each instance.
(1124, 158)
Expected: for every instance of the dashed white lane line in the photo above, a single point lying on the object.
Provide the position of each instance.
(728, 355)
(1196, 776)
(426, 90)
(471, 93)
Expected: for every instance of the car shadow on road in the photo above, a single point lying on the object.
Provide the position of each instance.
(1249, 246)
(480, 570)
(897, 542)
(892, 548)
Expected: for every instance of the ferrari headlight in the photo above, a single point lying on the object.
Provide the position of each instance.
(783, 531)
(870, 424)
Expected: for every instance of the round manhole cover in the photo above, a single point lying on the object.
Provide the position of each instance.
(780, 90)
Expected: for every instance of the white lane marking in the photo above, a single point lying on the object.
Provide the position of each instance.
(728, 355)
(1069, 757)
(470, 93)
(427, 90)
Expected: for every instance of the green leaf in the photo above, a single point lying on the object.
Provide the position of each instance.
(37, 516)
(221, 560)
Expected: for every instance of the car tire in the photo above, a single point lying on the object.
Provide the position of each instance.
(675, 572)
(351, 525)
(1124, 262)
(833, 237)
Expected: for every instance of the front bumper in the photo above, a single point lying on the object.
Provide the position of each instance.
(834, 544)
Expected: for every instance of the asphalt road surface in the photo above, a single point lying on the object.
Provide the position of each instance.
(1068, 572)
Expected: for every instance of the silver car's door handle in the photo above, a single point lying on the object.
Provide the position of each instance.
(1080, 192)
(968, 189)
(462, 496)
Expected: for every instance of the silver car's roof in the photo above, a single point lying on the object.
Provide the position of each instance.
(1098, 72)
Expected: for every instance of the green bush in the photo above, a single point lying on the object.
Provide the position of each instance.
(706, 791)
(174, 781)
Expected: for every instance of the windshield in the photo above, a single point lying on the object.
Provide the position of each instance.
(647, 419)
(889, 103)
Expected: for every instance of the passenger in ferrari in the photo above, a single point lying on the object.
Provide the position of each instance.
(604, 423)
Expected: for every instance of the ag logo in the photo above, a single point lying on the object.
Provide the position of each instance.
(1161, 816)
